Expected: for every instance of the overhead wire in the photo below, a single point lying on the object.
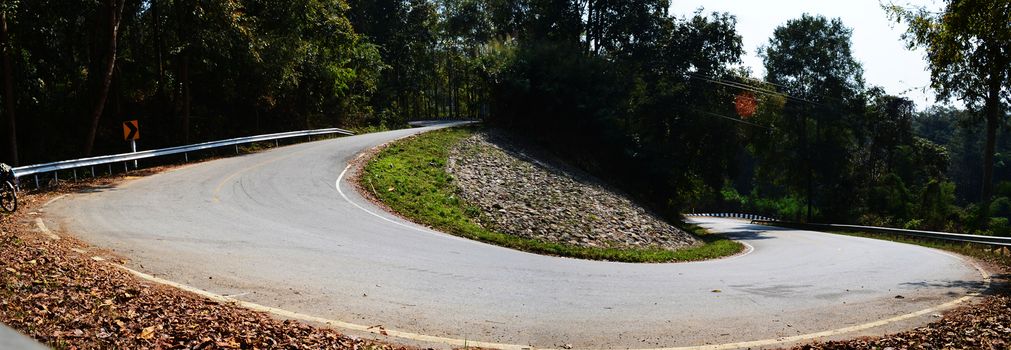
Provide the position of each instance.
(759, 89)
(740, 86)
(747, 87)
(739, 120)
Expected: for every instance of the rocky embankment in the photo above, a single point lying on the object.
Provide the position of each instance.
(541, 198)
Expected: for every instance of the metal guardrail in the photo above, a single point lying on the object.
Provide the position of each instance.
(126, 157)
(732, 215)
(946, 236)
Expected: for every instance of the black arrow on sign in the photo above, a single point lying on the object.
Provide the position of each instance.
(133, 130)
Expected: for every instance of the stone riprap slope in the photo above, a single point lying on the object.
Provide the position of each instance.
(541, 198)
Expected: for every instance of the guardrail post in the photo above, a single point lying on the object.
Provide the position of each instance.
(75, 174)
(37, 182)
(93, 171)
(110, 168)
(133, 148)
(236, 149)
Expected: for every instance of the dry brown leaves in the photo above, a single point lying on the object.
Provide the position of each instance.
(986, 325)
(67, 300)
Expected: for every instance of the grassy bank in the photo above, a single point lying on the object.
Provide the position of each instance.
(409, 176)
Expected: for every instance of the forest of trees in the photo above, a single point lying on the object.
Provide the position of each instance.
(656, 101)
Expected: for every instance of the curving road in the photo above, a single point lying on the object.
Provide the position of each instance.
(272, 228)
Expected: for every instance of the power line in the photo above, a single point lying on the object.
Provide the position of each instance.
(762, 90)
(739, 120)
(747, 87)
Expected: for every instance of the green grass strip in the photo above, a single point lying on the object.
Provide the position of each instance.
(409, 176)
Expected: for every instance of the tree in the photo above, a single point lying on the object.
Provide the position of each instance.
(809, 59)
(8, 83)
(969, 51)
(113, 14)
(620, 27)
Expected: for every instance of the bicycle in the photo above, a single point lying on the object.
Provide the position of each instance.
(8, 192)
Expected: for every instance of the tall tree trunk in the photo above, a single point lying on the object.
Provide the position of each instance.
(159, 46)
(184, 79)
(437, 100)
(993, 118)
(806, 156)
(589, 25)
(183, 96)
(433, 102)
(596, 27)
(9, 90)
(114, 9)
(454, 108)
(988, 155)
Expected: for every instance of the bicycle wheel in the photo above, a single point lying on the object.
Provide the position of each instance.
(8, 197)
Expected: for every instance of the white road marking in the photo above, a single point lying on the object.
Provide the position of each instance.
(45, 230)
(339, 190)
(52, 200)
(465, 342)
(330, 322)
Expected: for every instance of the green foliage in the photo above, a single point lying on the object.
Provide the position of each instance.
(937, 205)
(628, 109)
(810, 60)
(968, 47)
(890, 197)
(1001, 207)
(189, 70)
(787, 208)
(913, 224)
(409, 176)
(999, 226)
(732, 197)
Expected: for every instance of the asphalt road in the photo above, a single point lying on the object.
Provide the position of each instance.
(12, 340)
(272, 228)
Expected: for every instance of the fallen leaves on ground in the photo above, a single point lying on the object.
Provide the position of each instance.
(980, 326)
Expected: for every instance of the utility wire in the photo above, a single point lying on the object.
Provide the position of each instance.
(747, 87)
(758, 89)
(739, 120)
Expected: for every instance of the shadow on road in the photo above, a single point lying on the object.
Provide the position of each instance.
(998, 285)
(95, 189)
(747, 235)
(746, 231)
(947, 284)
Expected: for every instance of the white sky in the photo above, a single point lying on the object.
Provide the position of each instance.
(877, 41)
